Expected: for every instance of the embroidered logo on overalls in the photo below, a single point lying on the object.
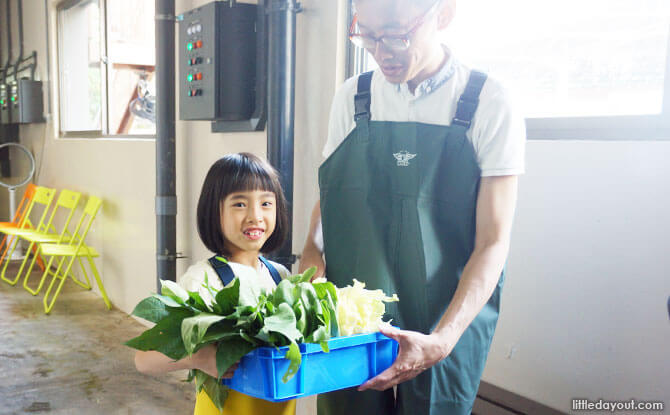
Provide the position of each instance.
(403, 158)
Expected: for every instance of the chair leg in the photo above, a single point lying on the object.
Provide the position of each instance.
(40, 260)
(25, 260)
(3, 246)
(29, 273)
(85, 285)
(99, 281)
(13, 242)
(48, 305)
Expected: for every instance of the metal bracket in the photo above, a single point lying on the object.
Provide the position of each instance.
(169, 17)
(171, 257)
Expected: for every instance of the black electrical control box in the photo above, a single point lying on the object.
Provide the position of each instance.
(217, 62)
(5, 106)
(26, 101)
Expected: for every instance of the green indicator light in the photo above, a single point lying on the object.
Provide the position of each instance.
(189, 46)
(190, 77)
(13, 99)
(2, 102)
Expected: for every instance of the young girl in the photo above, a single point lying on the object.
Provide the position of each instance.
(241, 213)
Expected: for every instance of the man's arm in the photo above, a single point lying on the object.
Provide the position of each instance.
(496, 202)
(312, 254)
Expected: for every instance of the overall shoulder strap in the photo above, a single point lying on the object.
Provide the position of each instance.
(362, 99)
(222, 269)
(467, 104)
(273, 271)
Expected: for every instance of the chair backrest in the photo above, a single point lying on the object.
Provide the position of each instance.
(43, 196)
(67, 201)
(23, 205)
(90, 211)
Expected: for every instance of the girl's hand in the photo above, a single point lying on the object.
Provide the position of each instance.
(205, 360)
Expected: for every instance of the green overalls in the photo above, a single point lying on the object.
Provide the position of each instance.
(398, 211)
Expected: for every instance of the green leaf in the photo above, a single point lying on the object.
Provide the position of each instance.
(216, 391)
(196, 301)
(168, 301)
(230, 351)
(283, 322)
(228, 297)
(151, 309)
(165, 336)
(327, 291)
(308, 274)
(248, 338)
(249, 293)
(319, 335)
(218, 331)
(284, 293)
(270, 307)
(173, 290)
(313, 308)
(193, 329)
(293, 354)
(301, 316)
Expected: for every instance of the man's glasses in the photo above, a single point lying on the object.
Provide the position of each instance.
(396, 43)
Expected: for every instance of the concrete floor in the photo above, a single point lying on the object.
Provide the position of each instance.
(72, 361)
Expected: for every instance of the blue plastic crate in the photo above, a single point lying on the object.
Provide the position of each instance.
(352, 361)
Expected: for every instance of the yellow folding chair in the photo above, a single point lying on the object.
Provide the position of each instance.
(43, 197)
(19, 222)
(66, 204)
(75, 248)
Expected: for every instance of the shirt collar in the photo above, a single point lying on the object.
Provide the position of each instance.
(431, 84)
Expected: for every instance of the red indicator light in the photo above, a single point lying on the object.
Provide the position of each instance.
(198, 44)
(198, 76)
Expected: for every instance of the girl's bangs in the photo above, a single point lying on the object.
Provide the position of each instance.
(252, 179)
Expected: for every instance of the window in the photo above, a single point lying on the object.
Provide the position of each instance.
(593, 69)
(106, 67)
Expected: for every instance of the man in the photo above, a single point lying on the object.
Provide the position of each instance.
(418, 192)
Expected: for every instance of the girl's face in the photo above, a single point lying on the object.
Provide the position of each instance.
(247, 220)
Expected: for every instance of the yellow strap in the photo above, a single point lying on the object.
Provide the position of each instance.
(240, 404)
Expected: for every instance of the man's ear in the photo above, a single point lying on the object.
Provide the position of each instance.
(446, 13)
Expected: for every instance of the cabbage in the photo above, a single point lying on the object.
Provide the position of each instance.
(360, 310)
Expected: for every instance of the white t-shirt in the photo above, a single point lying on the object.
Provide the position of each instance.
(194, 278)
(497, 132)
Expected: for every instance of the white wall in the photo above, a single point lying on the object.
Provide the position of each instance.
(584, 303)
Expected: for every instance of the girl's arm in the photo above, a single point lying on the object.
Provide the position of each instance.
(154, 363)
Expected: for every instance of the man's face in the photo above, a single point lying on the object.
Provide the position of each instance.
(378, 18)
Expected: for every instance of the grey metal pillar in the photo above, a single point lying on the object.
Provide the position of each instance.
(166, 198)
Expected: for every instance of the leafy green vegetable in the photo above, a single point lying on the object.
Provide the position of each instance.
(229, 351)
(165, 336)
(151, 309)
(240, 318)
(193, 329)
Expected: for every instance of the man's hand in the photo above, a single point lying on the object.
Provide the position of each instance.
(417, 352)
(205, 360)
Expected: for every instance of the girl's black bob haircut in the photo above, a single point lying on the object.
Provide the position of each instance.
(238, 173)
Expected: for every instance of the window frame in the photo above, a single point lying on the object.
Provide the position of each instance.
(104, 132)
(647, 127)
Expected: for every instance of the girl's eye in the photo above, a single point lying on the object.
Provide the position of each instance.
(238, 204)
(267, 203)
